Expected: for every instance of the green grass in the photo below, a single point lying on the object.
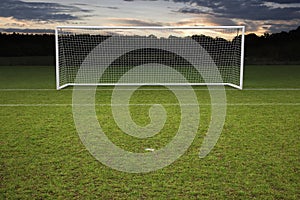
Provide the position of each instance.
(257, 155)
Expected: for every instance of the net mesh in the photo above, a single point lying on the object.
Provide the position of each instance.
(112, 52)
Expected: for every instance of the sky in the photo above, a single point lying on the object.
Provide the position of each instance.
(42, 16)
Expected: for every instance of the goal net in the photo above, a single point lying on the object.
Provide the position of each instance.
(151, 55)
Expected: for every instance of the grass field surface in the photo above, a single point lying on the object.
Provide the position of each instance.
(257, 155)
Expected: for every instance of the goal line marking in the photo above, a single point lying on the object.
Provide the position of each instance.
(168, 104)
(109, 89)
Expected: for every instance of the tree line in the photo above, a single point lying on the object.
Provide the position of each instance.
(276, 48)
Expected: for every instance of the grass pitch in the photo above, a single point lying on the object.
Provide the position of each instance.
(257, 155)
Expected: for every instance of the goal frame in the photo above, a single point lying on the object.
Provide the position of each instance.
(242, 53)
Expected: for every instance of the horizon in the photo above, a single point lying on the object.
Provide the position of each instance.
(42, 16)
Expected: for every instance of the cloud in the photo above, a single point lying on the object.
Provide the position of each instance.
(258, 16)
(274, 5)
(142, 0)
(246, 9)
(203, 20)
(278, 26)
(91, 5)
(109, 7)
(191, 10)
(38, 11)
(26, 30)
(135, 22)
(243, 9)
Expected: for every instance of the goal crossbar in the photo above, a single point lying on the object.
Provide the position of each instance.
(150, 27)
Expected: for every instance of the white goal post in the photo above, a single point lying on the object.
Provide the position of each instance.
(101, 55)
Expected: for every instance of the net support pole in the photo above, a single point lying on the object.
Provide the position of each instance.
(242, 58)
(56, 59)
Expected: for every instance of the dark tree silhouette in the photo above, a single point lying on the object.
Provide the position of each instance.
(26, 45)
(277, 48)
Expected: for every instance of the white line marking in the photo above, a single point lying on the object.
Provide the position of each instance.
(27, 89)
(272, 89)
(109, 89)
(168, 104)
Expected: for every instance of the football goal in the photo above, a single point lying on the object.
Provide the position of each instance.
(198, 55)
